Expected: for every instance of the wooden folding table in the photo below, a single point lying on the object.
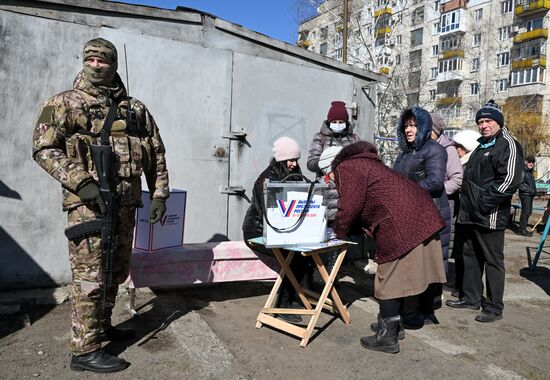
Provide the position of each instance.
(309, 298)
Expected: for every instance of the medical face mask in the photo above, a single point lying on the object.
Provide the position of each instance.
(337, 127)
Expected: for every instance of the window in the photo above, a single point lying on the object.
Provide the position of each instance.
(475, 65)
(476, 40)
(418, 16)
(526, 76)
(323, 49)
(503, 59)
(504, 32)
(471, 113)
(501, 85)
(435, 50)
(506, 6)
(531, 49)
(324, 33)
(478, 14)
(414, 79)
(432, 94)
(398, 39)
(474, 88)
(337, 38)
(415, 58)
(450, 42)
(436, 5)
(450, 21)
(398, 59)
(435, 28)
(338, 54)
(433, 73)
(452, 64)
(534, 24)
(416, 37)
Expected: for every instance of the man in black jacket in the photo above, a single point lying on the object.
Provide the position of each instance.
(492, 175)
(527, 191)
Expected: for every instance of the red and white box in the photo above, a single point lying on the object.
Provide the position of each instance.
(166, 233)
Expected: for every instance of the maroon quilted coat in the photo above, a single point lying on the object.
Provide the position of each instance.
(399, 214)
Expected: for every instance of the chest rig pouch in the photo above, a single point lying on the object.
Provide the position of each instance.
(128, 140)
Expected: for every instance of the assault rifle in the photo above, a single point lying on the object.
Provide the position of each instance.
(104, 162)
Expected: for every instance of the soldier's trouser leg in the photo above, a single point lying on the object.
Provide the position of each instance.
(126, 222)
(85, 260)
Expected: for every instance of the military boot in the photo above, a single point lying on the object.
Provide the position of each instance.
(98, 361)
(385, 339)
(400, 335)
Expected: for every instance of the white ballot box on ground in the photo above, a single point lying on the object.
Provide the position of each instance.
(295, 213)
(166, 233)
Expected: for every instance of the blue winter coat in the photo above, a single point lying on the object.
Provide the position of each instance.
(425, 162)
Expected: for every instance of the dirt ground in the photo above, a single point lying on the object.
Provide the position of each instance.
(208, 332)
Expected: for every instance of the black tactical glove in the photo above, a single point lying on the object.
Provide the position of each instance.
(89, 195)
(158, 209)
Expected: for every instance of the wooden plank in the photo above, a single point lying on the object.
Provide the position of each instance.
(275, 310)
(282, 325)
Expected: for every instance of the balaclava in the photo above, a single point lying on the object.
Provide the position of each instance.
(101, 48)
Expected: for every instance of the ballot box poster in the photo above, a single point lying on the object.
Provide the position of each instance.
(166, 233)
(285, 217)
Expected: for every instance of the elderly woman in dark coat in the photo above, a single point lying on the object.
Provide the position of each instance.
(424, 161)
(405, 223)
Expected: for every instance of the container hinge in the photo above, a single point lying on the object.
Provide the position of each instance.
(238, 136)
(234, 190)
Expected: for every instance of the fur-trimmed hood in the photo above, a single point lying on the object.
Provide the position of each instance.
(423, 125)
(360, 149)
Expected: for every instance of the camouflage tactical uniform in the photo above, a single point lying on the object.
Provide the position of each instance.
(68, 123)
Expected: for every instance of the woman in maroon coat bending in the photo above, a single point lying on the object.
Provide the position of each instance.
(405, 222)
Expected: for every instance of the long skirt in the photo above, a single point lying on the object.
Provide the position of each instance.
(411, 274)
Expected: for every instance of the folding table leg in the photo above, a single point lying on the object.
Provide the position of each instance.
(337, 302)
(292, 278)
(328, 287)
(273, 294)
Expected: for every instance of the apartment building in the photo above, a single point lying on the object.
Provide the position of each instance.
(449, 56)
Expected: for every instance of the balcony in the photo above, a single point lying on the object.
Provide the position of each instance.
(451, 5)
(384, 70)
(447, 76)
(383, 31)
(531, 35)
(525, 63)
(303, 44)
(386, 10)
(448, 101)
(529, 7)
(451, 54)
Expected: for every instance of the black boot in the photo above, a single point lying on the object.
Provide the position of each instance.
(285, 303)
(98, 361)
(118, 334)
(400, 333)
(385, 339)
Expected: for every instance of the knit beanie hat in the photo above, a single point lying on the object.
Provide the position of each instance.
(438, 124)
(491, 110)
(325, 161)
(530, 159)
(285, 148)
(467, 138)
(337, 111)
(99, 47)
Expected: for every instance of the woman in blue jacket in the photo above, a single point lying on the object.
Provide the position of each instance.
(424, 161)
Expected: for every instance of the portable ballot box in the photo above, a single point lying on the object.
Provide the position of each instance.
(166, 233)
(292, 215)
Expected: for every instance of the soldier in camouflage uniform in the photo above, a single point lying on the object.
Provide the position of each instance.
(68, 124)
